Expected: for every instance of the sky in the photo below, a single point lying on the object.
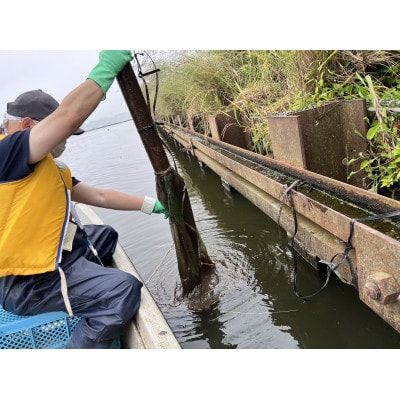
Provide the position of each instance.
(56, 72)
(55, 49)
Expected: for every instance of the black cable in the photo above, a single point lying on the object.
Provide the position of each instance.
(331, 266)
(288, 194)
(142, 76)
(349, 246)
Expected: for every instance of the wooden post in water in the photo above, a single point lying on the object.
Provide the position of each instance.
(171, 191)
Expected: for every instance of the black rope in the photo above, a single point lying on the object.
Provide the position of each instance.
(348, 246)
(288, 195)
(148, 128)
(331, 265)
(152, 109)
(142, 76)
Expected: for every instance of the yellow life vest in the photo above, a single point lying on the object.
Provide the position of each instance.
(34, 214)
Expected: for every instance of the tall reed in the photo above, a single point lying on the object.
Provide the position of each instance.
(251, 84)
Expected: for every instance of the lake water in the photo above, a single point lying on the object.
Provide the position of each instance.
(251, 304)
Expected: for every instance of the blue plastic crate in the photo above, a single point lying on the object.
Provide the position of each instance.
(45, 331)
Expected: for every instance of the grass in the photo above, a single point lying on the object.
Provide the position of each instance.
(251, 84)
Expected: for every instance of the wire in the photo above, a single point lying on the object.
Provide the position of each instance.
(142, 75)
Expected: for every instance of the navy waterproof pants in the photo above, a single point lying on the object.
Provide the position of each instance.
(105, 298)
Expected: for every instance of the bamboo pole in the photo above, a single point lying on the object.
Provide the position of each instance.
(171, 191)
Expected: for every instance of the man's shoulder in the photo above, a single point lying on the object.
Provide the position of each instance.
(10, 140)
(14, 154)
(13, 143)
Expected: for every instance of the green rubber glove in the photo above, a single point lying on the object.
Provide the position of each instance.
(111, 63)
(153, 206)
(159, 208)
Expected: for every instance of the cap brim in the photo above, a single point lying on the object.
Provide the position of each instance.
(79, 132)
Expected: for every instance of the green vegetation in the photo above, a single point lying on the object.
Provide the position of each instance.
(251, 84)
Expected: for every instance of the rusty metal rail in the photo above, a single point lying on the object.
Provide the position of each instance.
(325, 209)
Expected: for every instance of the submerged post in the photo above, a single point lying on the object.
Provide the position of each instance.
(171, 191)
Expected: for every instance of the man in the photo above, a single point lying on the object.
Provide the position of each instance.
(48, 262)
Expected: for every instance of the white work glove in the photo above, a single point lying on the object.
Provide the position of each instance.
(153, 206)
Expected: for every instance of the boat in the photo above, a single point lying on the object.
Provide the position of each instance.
(148, 330)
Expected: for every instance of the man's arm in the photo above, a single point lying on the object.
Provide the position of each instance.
(65, 120)
(77, 105)
(105, 198)
(108, 198)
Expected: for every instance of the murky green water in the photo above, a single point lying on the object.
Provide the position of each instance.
(249, 302)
